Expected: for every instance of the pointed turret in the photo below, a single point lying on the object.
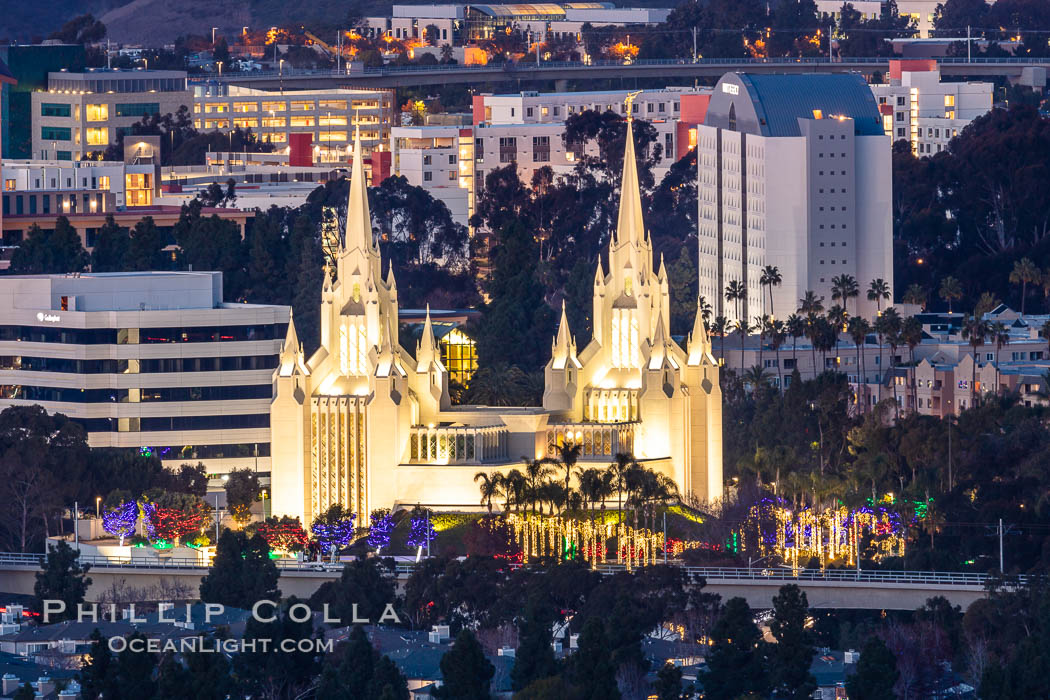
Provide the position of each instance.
(358, 218)
(659, 352)
(391, 283)
(629, 224)
(661, 276)
(426, 349)
(563, 348)
(385, 350)
(699, 343)
(291, 352)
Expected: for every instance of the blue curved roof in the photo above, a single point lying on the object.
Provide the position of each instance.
(779, 100)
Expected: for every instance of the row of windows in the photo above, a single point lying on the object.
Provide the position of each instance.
(134, 425)
(54, 109)
(26, 392)
(56, 133)
(150, 366)
(134, 336)
(243, 449)
(63, 203)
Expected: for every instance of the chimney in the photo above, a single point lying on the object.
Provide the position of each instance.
(70, 692)
(45, 686)
(9, 684)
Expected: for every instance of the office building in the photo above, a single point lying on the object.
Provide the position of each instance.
(327, 116)
(793, 171)
(439, 159)
(918, 107)
(365, 424)
(151, 360)
(81, 114)
(29, 66)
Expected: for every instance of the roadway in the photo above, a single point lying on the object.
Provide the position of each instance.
(666, 69)
(838, 589)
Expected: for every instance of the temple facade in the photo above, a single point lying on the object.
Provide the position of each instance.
(366, 424)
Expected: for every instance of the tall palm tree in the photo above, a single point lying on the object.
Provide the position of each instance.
(950, 290)
(736, 293)
(810, 304)
(743, 327)
(778, 335)
(514, 489)
(765, 329)
(1025, 272)
(892, 329)
(491, 488)
(720, 327)
(844, 287)
(568, 455)
(858, 329)
(878, 290)
(911, 334)
(620, 469)
(770, 278)
(974, 330)
(1001, 336)
(881, 329)
(537, 471)
(837, 317)
(915, 294)
(796, 328)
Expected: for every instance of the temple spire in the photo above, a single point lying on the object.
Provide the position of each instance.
(358, 218)
(291, 351)
(699, 343)
(629, 224)
(425, 350)
(563, 348)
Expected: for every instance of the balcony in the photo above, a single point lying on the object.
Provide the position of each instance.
(600, 441)
(457, 444)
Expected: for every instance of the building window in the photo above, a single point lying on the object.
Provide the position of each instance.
(508, 149)
(452, 175)
(625, 341)
(302, 121)
(56, 133)
(427, 159)
(137, 109)
(54, 109)
(9, 184)
(302, 105)
(97, 136)
(428, 176)
(668, 145)
(541, 149)
(452, 159)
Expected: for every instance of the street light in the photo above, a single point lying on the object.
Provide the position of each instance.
(280, 68)
(220, 68)
(98, 502)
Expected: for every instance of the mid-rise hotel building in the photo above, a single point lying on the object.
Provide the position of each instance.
(149, 360)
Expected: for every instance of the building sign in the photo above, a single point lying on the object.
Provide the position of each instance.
(730, 88)
(48, 318)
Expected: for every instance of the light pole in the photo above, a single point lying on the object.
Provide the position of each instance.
(98, 503)
(220, 68)
(280, 69)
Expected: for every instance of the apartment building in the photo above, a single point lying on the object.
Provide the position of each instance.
(151, 360)
(917, 106)
(81, 114)
(439, 159)
(793, 171)
(58, 186)
(922, 13)
(328, 116)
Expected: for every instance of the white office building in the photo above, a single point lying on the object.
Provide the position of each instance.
(793, 171)
(149, 360)
(917, 106)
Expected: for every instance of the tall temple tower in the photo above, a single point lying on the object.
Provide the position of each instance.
(365, 424)
(632, 372)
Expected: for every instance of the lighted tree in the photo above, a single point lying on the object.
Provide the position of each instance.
(174, 516)
(283, 534)
(120, 520)
(379, 532)
(421, 532)
(334, 528)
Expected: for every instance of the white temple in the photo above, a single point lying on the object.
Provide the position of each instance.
(366, 424)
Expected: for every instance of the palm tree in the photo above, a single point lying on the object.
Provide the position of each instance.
(770, 278)
(858, 329)
(720, 327)
(536, 473)
(975, 330)
(915, 294)
(911, 334)
(837, 317)
(568, 455)
(810, 304)
(1025, 271)
(514, 489)
(950, 290)
(878, 290)
(881, 329)
(620, 468)
(736, 293)
(1001, 336)
(491, 488)
(755, 377)
(778, 335)
(796, 328)
(892, 328)
(742, 327)
(765, 330)
(844, 287)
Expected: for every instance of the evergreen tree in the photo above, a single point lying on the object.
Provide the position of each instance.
(62, 578)
(135, 671)
(591, 670)
(388, 683)
(362, 584)
(348, 673)
(242, 572)
(111, 247)
(668, 684)
(876, 673)
(465, 670)
(793, 652)
(97, 676)
(682, 286)
(306, 270)
(146, 249)
(736, 664)
(517, 325)
(57, 251)
(24, 692)
(534, 658)
(267, 283)
(211, 243)
(275, 672)
(242, 488)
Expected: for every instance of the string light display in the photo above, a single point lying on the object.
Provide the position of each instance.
(171, 524)
(556, 537)
(379, 532)
(120, 521)
(420, 533)
(832, 535)
(336, 535)
(285, 536)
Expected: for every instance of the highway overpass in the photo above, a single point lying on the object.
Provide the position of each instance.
(668, 69)
(850, 589)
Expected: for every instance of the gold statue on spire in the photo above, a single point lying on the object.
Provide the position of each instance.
(628, 102)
